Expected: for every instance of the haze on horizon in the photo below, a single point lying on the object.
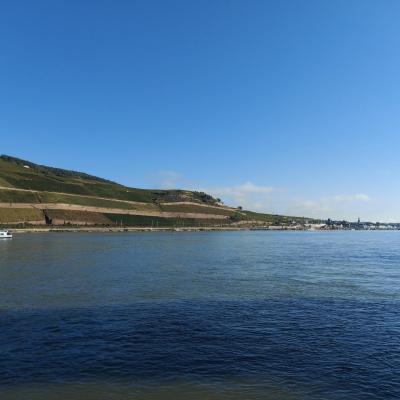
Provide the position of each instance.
(280, 106)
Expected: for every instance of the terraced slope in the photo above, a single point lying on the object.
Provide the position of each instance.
(32, 194)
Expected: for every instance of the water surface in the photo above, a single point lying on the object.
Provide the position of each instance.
(200, 315)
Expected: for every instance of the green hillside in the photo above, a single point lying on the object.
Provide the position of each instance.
(22, 174)
(32, 194)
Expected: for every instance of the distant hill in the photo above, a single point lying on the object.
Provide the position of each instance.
(33, 194)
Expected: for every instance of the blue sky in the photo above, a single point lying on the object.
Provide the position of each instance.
(280, 106)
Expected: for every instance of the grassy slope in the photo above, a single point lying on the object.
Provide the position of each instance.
(62, 186)
(41, 178)
(19, 215)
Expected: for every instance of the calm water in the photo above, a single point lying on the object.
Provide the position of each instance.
(224, 315)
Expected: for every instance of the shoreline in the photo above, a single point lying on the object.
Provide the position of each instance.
(172, 229)
(131, 229)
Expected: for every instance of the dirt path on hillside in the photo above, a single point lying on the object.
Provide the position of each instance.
(192, 203)
(105, 210)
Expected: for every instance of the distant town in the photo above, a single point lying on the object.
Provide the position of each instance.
(330, 224)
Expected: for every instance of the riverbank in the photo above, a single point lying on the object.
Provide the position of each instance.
(172, 229)
(152, 229)
(129, 229)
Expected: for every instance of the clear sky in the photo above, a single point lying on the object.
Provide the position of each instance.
(281, 106)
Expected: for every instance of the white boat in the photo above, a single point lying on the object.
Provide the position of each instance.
(5, 234)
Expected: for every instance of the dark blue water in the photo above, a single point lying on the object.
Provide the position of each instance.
(223, 315)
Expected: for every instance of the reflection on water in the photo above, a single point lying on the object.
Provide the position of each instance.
(200, 315)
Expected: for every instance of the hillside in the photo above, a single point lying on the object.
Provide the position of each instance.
(32, 194)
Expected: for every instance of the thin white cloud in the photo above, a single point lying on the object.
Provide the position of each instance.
(242, 190)
(310, 208)
(352, 197)
(337, 206)
(247, 195)
(167, 179)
